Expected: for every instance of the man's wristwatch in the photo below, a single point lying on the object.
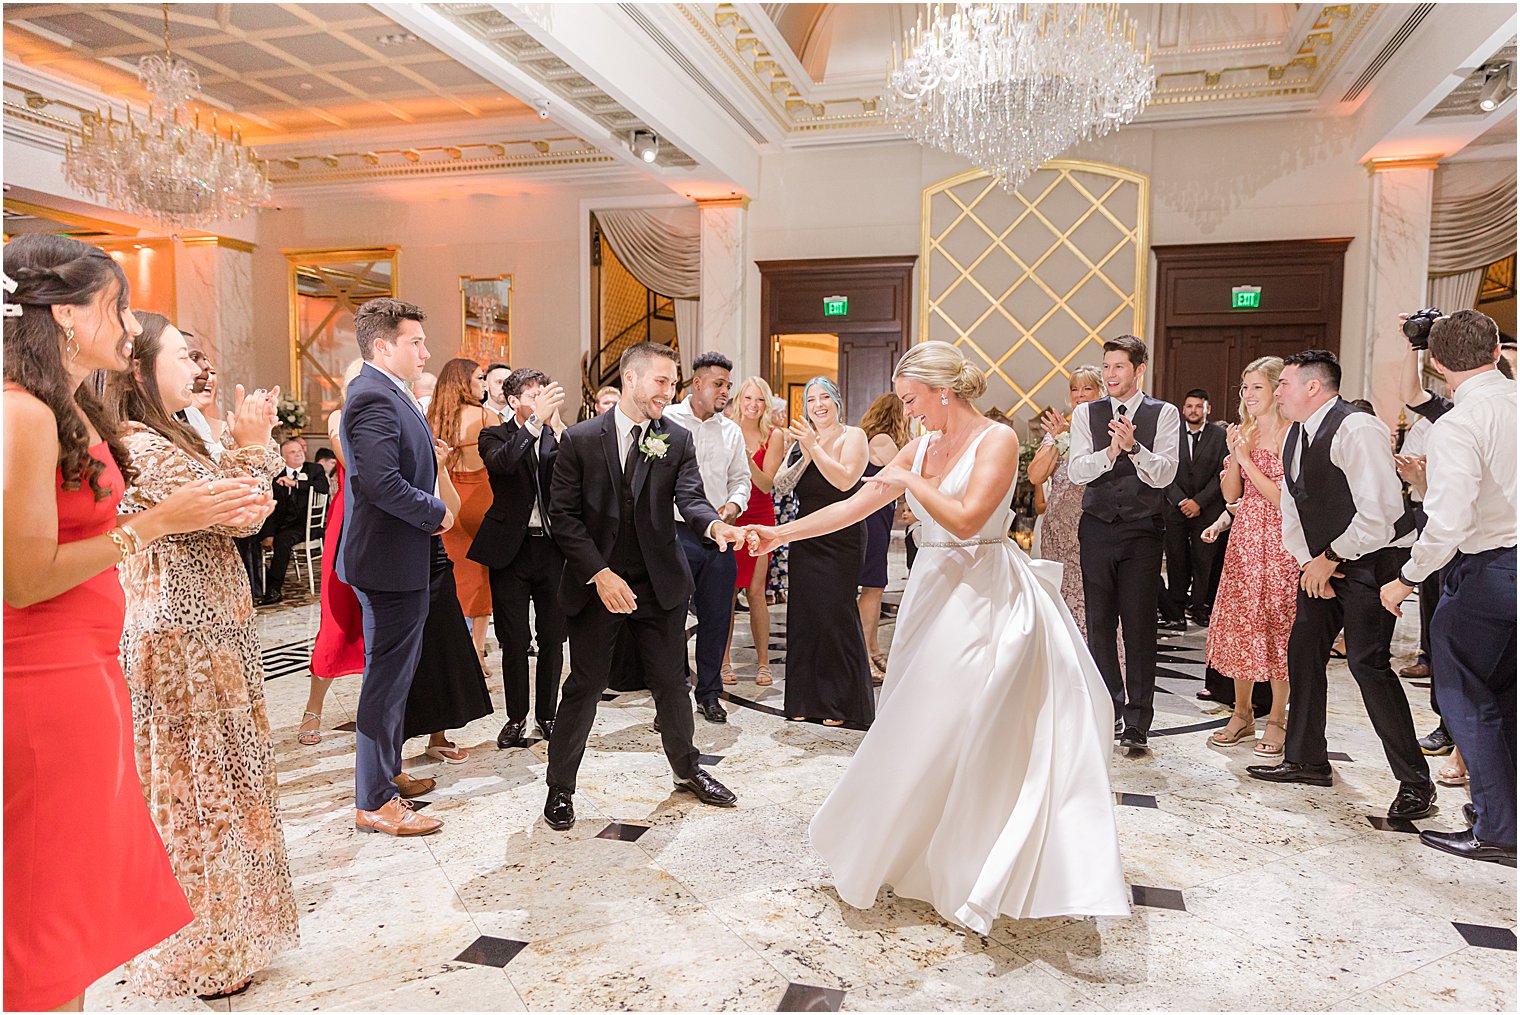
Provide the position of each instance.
(533, 420)
(1334, 557)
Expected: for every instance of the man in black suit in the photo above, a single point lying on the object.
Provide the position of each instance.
(617, 482)
(293, 487)
(392, 511)
(516, 541)
(1193, 502)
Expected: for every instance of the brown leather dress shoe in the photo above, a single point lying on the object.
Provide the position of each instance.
(411, 787)
(396, 818)
(1415, 671)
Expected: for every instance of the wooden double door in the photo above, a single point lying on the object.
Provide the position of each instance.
(1204, 342)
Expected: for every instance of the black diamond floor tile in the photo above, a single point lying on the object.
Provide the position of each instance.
(1157, 898)
(622, 833)
(709, 759)
(347, 727)
(609, 695)
(1479, 936)
(1338, 756)
(1385, 824)
(491, 951)
(418, 805)
(1419, 683)
(802, 997)
(1136, 799)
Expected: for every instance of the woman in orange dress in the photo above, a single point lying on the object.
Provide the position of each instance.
(457, 413)
(87, 882)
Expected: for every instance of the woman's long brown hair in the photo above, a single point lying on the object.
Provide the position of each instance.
(455, 392)
(140, 400)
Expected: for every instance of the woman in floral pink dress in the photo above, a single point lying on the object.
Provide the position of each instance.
(1258, 590)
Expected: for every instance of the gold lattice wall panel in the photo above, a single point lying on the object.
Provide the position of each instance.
(1030, 284)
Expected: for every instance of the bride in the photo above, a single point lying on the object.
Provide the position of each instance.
(982, 788)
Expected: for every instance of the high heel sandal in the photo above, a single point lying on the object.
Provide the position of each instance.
(727, 673)
(763, 675)
(1224, 738)
(310, 738)
(1266, 748)
(447, 752)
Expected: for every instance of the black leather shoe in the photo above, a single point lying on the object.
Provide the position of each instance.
(511, 735)
(1437, 744)
(1469, 814)
(1180, 626)
(546, 728)
(1291, 771)
(1413, 802)
(559, 812)
(1199, 619)
(1133, 739)
(712, 711)
(1465, 844)
(270, 598)
(708, 790)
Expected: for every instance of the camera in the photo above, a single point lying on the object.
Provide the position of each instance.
(1417, 327)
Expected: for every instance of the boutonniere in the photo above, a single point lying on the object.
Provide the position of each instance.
(655, 446)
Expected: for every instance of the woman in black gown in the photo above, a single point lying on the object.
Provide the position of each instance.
(828, 674)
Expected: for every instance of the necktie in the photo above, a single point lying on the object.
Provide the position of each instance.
(1123, 410)
(1303, 449)
(632, 457)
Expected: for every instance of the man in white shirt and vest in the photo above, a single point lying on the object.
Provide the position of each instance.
(1343, 519)
(1124, 450)
(725, 478)
(1470, 508)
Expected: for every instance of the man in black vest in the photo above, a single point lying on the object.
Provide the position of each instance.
(516, 542)
(1343, 518)
(1124, 449)
(1193, 503)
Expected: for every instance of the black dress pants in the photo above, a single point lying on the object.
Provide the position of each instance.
(533, 575)
(1189, 566)
(713, 573)
(253, 562)
(1369, 630)
(279, 560)
(658, 638)
(1121, 576)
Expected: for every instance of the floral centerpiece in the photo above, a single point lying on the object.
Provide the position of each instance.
(292, 415)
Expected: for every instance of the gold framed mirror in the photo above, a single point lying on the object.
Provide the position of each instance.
(325, 287)
(486, 313)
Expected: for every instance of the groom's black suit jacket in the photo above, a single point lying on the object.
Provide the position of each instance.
(586, 506)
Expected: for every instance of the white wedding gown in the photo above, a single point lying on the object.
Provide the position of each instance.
(982, 787)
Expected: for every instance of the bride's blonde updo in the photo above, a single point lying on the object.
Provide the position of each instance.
(942, 365)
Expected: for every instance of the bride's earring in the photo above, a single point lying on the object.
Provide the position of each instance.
(944, 399)
(69, 345)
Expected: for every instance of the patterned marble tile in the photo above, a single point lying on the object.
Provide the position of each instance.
(1471, 979)
(993, 980)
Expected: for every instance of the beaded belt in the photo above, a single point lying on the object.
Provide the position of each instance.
(969, 542)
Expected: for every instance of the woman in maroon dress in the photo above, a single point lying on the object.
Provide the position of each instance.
(87, 881)
(1258, 588)
(751, 407)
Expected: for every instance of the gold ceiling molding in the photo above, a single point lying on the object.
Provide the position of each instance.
(467, 156)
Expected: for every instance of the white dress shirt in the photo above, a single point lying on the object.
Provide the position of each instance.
(1362, 449)
(1415, 443)
(198, 423)
(1156, 466)
(1470, 468)
(721, 455)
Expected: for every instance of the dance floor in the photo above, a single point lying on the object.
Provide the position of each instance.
(1247, 895)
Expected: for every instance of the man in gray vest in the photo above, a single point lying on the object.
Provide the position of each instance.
(1124, 449)
(1343, 518)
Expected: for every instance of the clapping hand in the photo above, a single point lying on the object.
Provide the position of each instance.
(1054, 423)
(1412, 471)
(1121, 432)
(253, 417)
(805, 435)
(441, 450)
(547, 403)
(1240, 446)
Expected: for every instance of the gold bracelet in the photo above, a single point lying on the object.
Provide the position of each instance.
(132, 536)
(119, 538)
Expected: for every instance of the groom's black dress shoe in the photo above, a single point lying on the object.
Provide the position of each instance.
(559, 812)
(712, 711)
(1118, 728)
(546, 728)
(1172, 625)
(1413, 802)
(1465, 844)
(511, 735)
(1133, 739)
(708, 790)
(1291, 771)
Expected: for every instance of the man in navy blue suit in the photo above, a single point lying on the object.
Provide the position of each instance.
(392, 514)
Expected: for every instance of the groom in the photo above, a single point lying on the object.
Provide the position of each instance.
(617, 483)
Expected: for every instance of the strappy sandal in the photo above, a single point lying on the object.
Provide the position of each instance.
(1224, 738)
(727, 673)
(763, 675)
(1266, 748)
(310, 738)
(833, 722)
(449, 753)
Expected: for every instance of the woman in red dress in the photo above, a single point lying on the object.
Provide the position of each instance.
(338, 650)
(751, 407)
(1258, 588)
(87, 881)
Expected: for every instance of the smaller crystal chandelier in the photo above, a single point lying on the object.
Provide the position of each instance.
(1012, 85)
(166, 168)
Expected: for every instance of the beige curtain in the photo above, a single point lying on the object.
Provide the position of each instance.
(666, 258)
(1473, 231)
(1455, 292)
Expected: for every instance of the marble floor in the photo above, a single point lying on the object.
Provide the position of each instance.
(1248, 896)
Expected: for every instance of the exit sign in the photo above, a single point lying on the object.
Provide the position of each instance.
(836, 306)
(1245, 297)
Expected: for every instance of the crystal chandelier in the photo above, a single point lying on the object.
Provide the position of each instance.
(166, 168)
(1012, 85)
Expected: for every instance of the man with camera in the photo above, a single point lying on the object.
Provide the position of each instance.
(1470, 508)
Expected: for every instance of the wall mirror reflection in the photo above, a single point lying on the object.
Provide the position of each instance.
(487, 317)
(326, 287)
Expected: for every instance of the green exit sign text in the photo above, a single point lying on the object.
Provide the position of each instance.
(836, 306)
(1245, 297)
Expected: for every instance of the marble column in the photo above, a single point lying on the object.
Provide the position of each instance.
(724, 252)
(213, 280)
(1398, 257)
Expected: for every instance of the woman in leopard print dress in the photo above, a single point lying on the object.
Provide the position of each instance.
(190, 651)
